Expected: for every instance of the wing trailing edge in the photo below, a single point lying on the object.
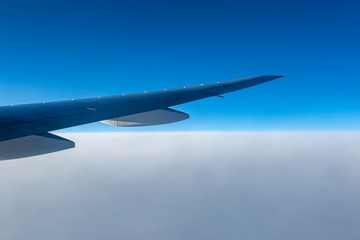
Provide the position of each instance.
(150, 118)
(33, 145)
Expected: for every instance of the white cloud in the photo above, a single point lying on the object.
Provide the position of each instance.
(186, 186)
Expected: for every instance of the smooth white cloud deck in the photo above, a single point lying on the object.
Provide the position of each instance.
(194, 185)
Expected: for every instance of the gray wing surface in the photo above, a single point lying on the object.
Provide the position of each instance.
(40, 118)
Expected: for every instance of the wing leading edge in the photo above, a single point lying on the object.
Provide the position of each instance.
(37, 119)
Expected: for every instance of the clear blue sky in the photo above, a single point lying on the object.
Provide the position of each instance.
(56, 50)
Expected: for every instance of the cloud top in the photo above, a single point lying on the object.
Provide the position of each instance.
(194, 185)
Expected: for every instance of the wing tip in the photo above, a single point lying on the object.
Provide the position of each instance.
(273, 77)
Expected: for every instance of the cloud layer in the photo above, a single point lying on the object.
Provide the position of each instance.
(195, 185)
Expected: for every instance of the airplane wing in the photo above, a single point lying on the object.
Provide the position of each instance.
(31, 123)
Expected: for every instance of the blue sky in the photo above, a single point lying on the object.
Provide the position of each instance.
(55, 50)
